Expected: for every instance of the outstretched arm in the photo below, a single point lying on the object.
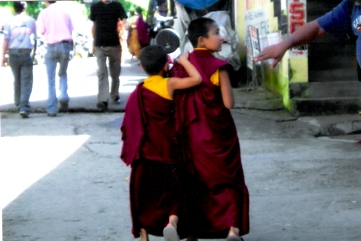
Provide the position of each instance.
(303, 35)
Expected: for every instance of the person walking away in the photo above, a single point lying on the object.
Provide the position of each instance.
(105, 15)
(335, 22)
(218, 203)
(150, 146)
(138, 33)
(19, 39)
(56, 26)
(132, 39)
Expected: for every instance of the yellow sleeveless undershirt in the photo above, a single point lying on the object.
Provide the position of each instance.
(157, 84)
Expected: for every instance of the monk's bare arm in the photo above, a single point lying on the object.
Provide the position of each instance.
(226, 89)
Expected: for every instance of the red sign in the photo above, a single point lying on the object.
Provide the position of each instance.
(297, 14)
(297, 17)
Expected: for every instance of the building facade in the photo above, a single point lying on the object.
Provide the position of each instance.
(323, 64)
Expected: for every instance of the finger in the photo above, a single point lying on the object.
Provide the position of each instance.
(274, 63)
(257, 58)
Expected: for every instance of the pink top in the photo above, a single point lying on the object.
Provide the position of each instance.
(54, 24)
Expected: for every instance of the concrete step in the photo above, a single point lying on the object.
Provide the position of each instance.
(326, 106)
(343, 74)
(326, 98)
(334, 89)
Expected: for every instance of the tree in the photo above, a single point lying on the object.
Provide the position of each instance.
(126, 4)
(33, 8)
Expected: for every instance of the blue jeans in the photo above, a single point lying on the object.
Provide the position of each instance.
(114, 55)
(57, 53)
(21, 65)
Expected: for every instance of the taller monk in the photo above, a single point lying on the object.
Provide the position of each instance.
(218, 202)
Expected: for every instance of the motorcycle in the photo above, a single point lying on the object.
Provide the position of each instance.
(163, 34)
(82, 46)
(169, 39)
(40, 52)
(160, 23)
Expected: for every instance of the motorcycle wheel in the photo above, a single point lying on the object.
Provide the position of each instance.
(84, 53)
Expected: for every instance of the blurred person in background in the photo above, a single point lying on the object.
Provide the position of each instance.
(105, 15)
(56, 26)
(19, 39)
(138, 35)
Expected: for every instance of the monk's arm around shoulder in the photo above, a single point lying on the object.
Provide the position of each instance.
(194, 78)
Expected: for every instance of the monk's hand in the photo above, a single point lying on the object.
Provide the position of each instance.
(183, 57)
(274, 52)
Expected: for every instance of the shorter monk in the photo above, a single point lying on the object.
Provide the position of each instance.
(150, 146)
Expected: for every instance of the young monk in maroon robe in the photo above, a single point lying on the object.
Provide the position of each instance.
(218, 205)
(150, 147)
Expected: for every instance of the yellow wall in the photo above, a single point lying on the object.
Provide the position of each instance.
(240, 26)
(288, 70)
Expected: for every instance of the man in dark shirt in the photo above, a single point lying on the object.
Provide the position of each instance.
(105, 15)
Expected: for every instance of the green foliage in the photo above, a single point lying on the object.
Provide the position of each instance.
(33, 8)
(128, 5)
(4, 4)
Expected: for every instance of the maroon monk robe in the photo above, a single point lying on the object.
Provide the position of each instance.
(220, 195)
(150, 147)
(142, 29)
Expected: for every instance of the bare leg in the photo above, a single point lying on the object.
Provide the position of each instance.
(143, 235)
(233, 232)
(173, 221)
(170, 231)
(233, 235)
